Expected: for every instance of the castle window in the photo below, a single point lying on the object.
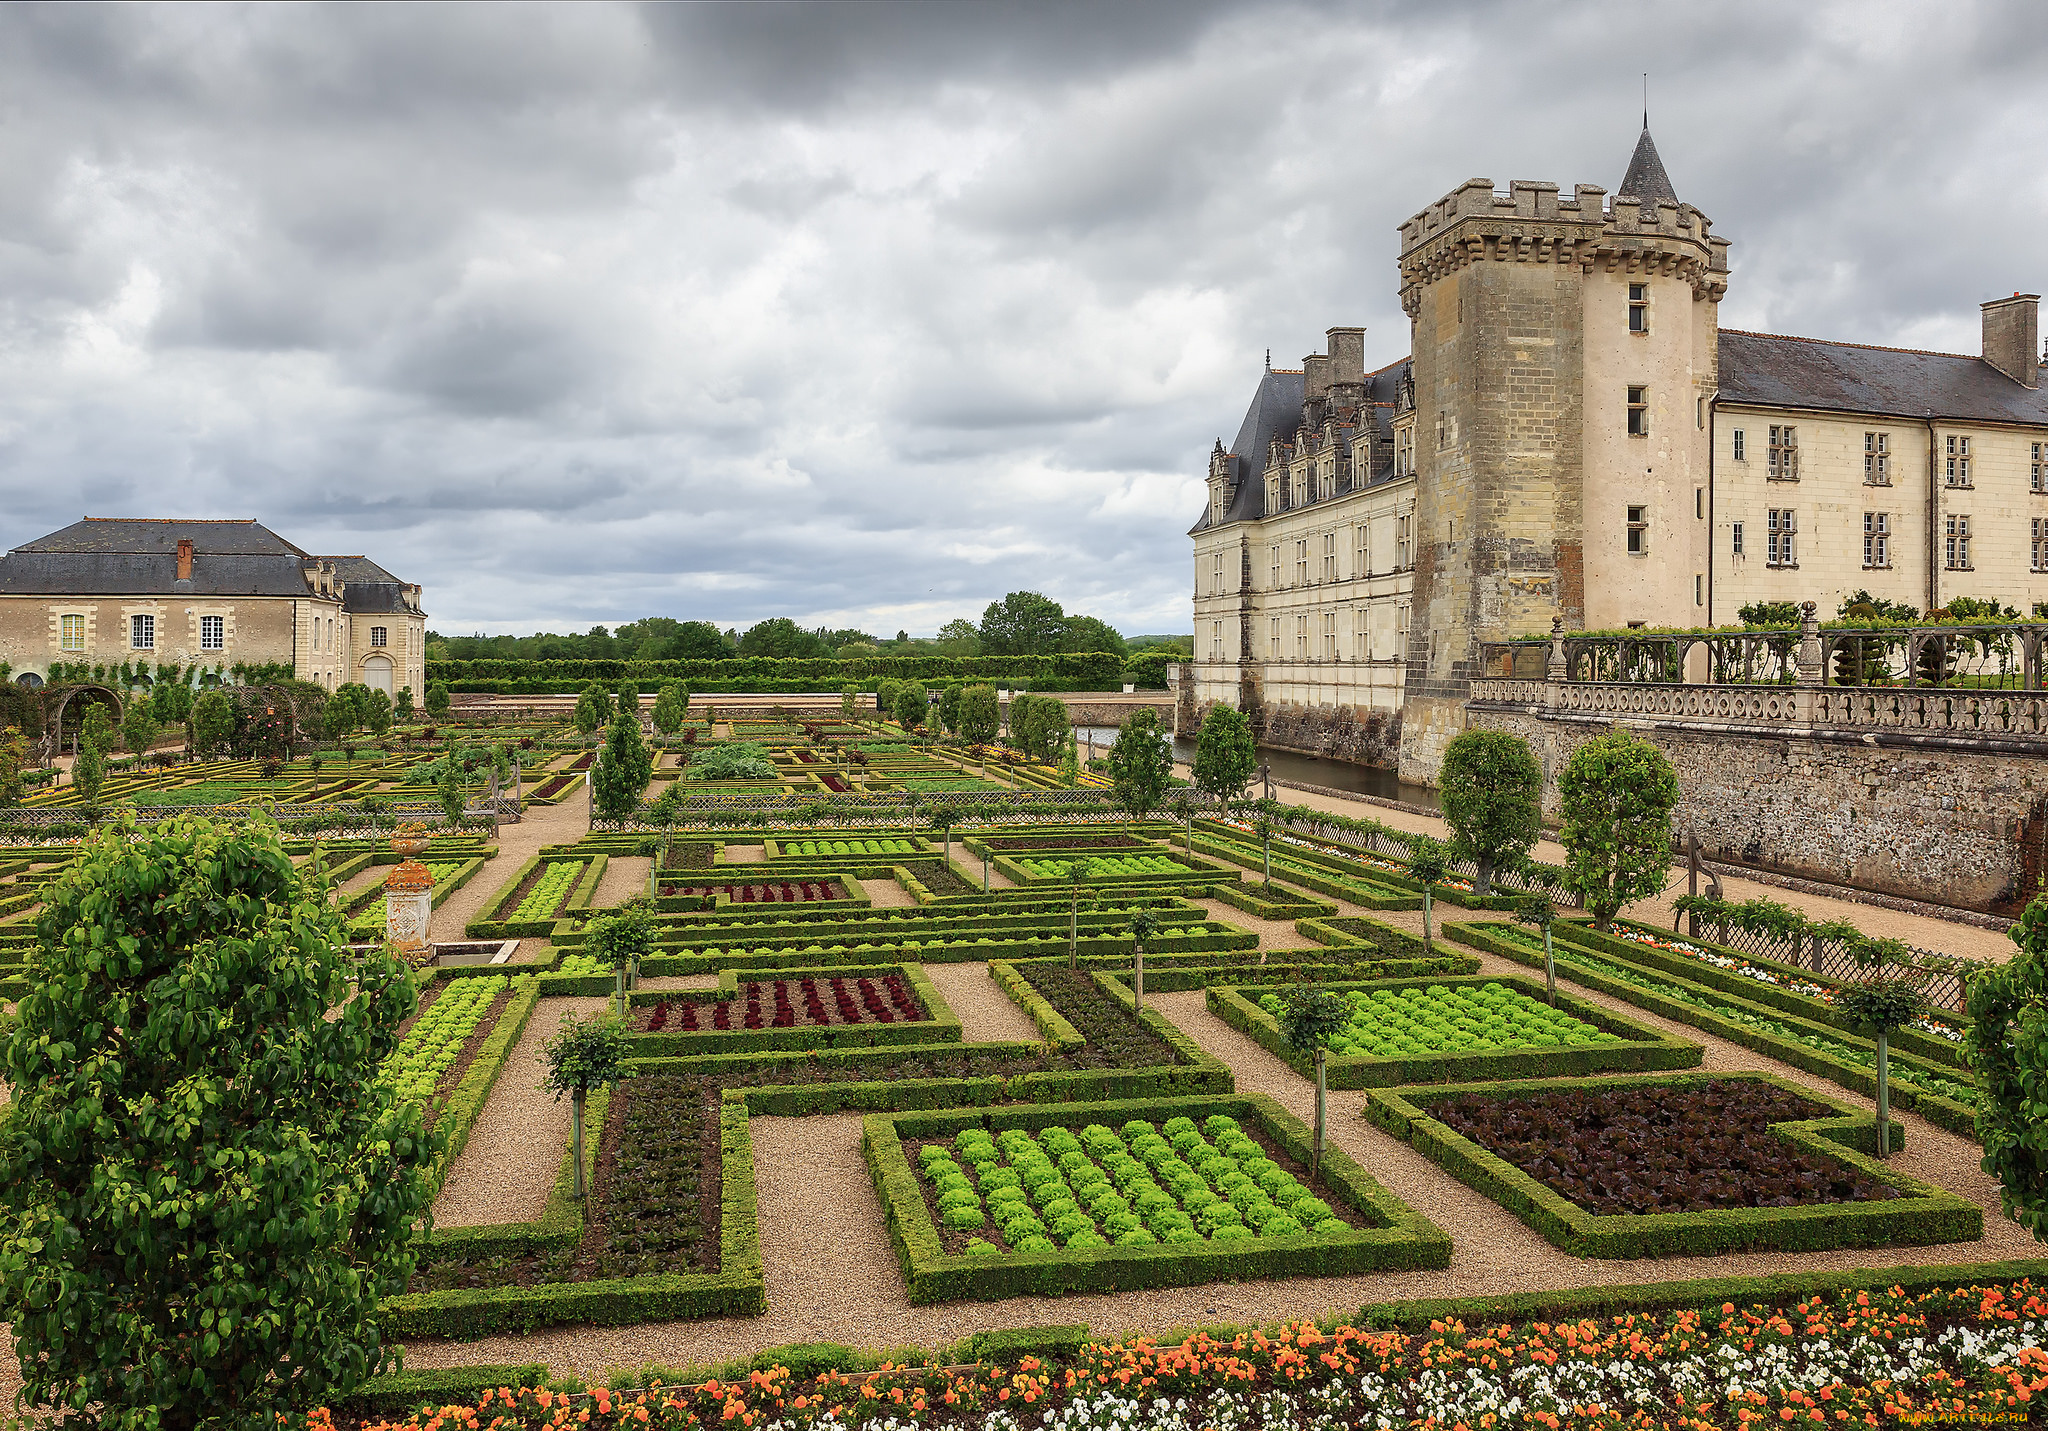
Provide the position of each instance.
(1741, 445)
(1361, 635)
(1877, 459)
(1735, 539)
(2037, 473)
(1301, 638)
(1784, 454)
(1273, 642)
(142, 633)
(1301, 562)
(1781, 532)
(1361, 551)
(1402, 543)
(1401, 632)
(1297, 487)
(1272, 493)
(1639, 308)
(1216, 576)
(71, 632)
(1956, 542)
(1329, 635)
(1638, 530)
(213, 633)
(2039, 561)
(1699, 503)
(1441, 430)
(1877, 539)
(1699, 588)
(1958, 461)
(378, 634)
(1215, 640)
(1273, 553)
(1329, 556)
(1638, 412)
(1404, 451)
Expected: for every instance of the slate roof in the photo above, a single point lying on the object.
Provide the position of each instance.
(368, 589)
(1646, 179)
(138, 556)
(1769, 370)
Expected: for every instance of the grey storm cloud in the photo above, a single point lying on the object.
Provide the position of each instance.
(868, 313)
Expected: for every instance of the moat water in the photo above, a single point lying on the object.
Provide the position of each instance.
(1307, 769)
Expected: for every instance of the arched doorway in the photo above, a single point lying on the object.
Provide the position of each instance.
(377, 674)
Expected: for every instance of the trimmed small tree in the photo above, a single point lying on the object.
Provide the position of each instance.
(1492, 795)
(584, 1054)
(624, 770)
(1429, 860)
(943, 817)
(138, 727)
(213, 723)
(171, 702)
(849, 700)
(913, 706)
(2006, 1046)
(628, 698)
(452, 792)
(1145, 925)
(404, 703)
(980, 713)
(1140, 764)
(200, 1229)
(593, 708)
(949, 707)
(13, 761)
(1884, 1005)
(622, 938)
(671, 707)
(1077, 876)
(1224, 754)
(377, 711)
(437, 699)
(1311, 1021)
(1615, 803)
(1539, 913)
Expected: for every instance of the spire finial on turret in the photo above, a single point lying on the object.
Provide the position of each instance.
(1646, 180)
(1269, 360)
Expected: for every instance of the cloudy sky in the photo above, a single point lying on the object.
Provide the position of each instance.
(866, 313)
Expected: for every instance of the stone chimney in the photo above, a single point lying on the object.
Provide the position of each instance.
(184, 558)
(1315, 376)
(1347, 354)
(2012, 337)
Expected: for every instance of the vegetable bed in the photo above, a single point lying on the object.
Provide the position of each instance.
(801, 891)
(793, 1003)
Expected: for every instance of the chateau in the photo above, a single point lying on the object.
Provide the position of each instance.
(1574, 435)
(215, 594)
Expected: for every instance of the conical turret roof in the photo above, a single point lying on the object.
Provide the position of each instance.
(1646, 180)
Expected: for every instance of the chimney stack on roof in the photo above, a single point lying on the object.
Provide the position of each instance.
(184, 558)
(1347, 354)
(2012, 335)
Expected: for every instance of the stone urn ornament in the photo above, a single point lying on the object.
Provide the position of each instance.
(409, 896)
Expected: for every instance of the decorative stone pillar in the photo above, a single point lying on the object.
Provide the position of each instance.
(409, 896)
(1556, 669)
(1812, 669)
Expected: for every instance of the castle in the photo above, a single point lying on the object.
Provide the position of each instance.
(1573, 435)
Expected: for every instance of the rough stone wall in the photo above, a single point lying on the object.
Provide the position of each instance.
(1364, 737)
(1938, 826)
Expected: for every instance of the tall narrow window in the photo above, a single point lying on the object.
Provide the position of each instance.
(1958, 461)
(1956, 542)
(142, 633)
(1735, 539)
(2037, 470)
(1216, 575)
(213, 633)
(1638, 412)
(1329, 635)
(1877, 539)
(1273, 554)
(1699, 588)
(1699, 504)
(71, 634)
(1639, 308)
(378, 633)
(2039, 559)
(1741, 445)
(1273, 641)
(1215, 640)
(1781, 532)
(1402, 543)
(1329, 556)
(1301, 638)
(1401, 632)
(1361, 552)
(1638, 530)
(1301, 562)
(1361, 634)
(1783, 465)
(1877, 458)
(1404, 451)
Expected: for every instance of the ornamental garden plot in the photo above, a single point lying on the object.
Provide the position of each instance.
(1686, 1165)
(812, 1001)
(1434, 1030)
(999, 1202)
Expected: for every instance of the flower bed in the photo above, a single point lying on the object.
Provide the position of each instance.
(1957, 1355)
(793, 1003)
(1917, 1212)
(1101, 1217)
(1421, 1030)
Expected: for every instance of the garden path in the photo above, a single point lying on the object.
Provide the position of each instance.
(832, 1274)
(543, 825)
(624, 877)
(509, 1165)
(886, 894)
(986, 1013)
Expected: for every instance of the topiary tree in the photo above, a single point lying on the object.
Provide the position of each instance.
(1224, 754)
(671, 708)
(1429, 860)
(1539, 913)
(624, 770)
(593, 708)
(943, 817)
(200, 1228)
(171, 702)
(628, 698)
(1311, 1021)
(404, 703)
(1140, 763)
(912, 707)
(1145, 925)
(1883, 1005)
(13, 761)
(1614, 804)
(344, 712)
(377, 711)
(437, 699)
(849, 700)
(980, 713)
(89, 773)
(213, 723)
(97, 729)
(886, 691)
(620, 939)
(138, 727)
(2006, 1046)
(949, 707)
(1492, 796)
(584, 1054)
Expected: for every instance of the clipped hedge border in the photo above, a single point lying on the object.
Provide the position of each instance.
(1304, 964)
(1402, 1239)
(1925, 1214)
(735, 1290)
(1646, 1050)
(1365, 893)
(1947, 1113)
(937, 926)
(488, 926)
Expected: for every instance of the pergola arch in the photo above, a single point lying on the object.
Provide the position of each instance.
(58, 699)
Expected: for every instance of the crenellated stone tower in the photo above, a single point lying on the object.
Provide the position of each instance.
(1564, 357)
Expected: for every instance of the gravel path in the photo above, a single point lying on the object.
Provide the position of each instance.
(509, 1165)
(1273, 933)
(986, 1013)
(886, 894)
(543, 825)
(744, 855)
(624, 877)
(679, 981)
